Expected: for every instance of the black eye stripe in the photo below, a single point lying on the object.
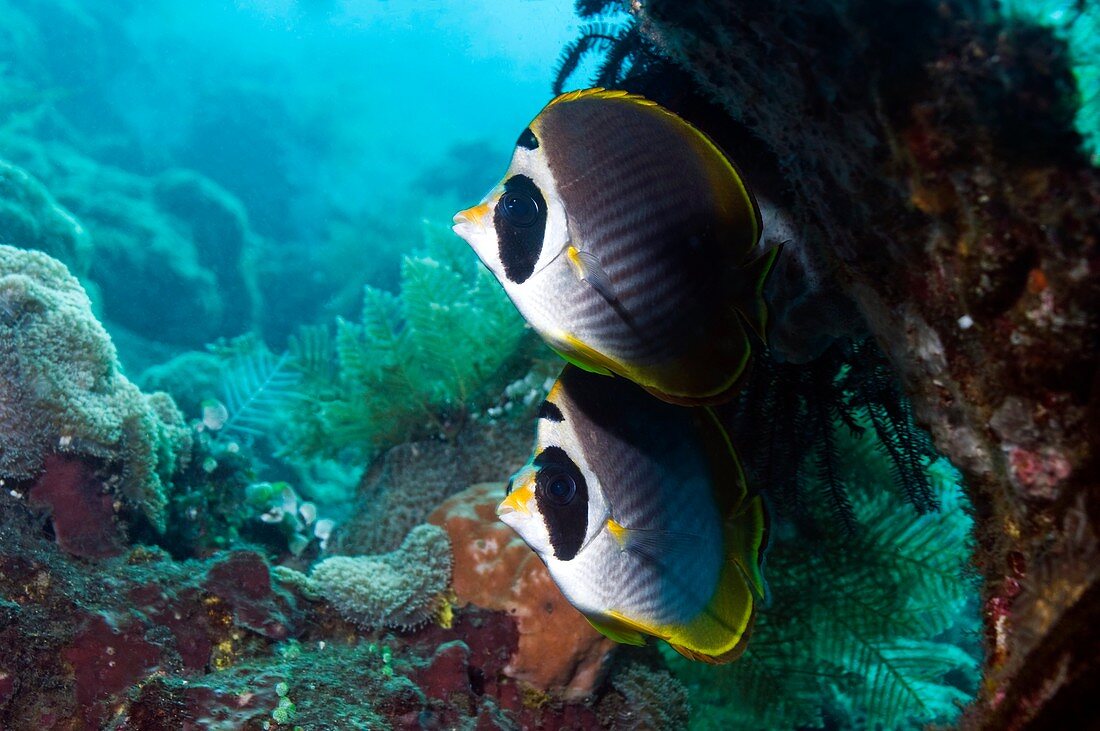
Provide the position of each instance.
(550, 412)
(520, 246)
(567, 524)
(508, 489)
(527, 140)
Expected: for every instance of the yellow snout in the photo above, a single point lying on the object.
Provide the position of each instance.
(476, 216)
(518, 501)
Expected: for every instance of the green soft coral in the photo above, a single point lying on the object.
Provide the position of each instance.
(867, 629)
(418, 363)
(61, 389)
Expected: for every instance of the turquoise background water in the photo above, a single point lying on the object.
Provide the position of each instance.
(373, 92)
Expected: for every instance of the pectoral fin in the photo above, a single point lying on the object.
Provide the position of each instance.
(657, 546)
(588, 269)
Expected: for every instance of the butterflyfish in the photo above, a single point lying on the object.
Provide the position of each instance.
(641, 513)
(629, 242)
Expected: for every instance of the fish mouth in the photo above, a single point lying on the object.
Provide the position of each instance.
(462, 224)
(516, 503)
(470, 221)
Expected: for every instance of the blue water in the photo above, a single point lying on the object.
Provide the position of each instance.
(369, 93)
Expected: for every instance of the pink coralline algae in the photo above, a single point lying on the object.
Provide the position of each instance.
(107, 660)
(82, 512)
(494, 569)
(1038, 473)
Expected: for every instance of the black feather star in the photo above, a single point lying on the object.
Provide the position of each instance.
(786, 423)
(624, 50)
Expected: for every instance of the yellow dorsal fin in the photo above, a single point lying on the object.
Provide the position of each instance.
(601, 93)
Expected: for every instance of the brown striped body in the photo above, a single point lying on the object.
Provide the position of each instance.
(639, 262)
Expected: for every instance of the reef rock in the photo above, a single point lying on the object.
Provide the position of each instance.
(409, 481)
(494, 569)
(173, 255)
(217, 225)
(31, 218)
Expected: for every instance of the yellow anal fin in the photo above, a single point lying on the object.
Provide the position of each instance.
(721, 631)
(583, 365)
(584, 356)
(749, 291)
(684, 382)
(691, 654)
(615, 628)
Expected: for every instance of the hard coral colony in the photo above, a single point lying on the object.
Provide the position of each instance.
(807, 437)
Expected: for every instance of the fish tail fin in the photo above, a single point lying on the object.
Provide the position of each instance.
(747, 543)
(749, 290)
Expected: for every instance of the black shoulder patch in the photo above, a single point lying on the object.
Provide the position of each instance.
(527, 140)
(550, 412)
(520, 246)
(566, 524)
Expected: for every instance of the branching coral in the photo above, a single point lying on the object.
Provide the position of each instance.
(868, 627)
(401, 589)
(61, 389)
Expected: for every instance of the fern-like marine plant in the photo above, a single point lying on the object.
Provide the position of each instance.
(872, 627)
(419, 362)
(257, 385)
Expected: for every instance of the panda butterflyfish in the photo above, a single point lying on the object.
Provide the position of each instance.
(626, 238)
(640, 511)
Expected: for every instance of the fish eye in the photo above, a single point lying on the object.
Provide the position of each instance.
(518, 209)
(560, 487)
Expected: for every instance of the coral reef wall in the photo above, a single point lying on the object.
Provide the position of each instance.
(928, 152)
